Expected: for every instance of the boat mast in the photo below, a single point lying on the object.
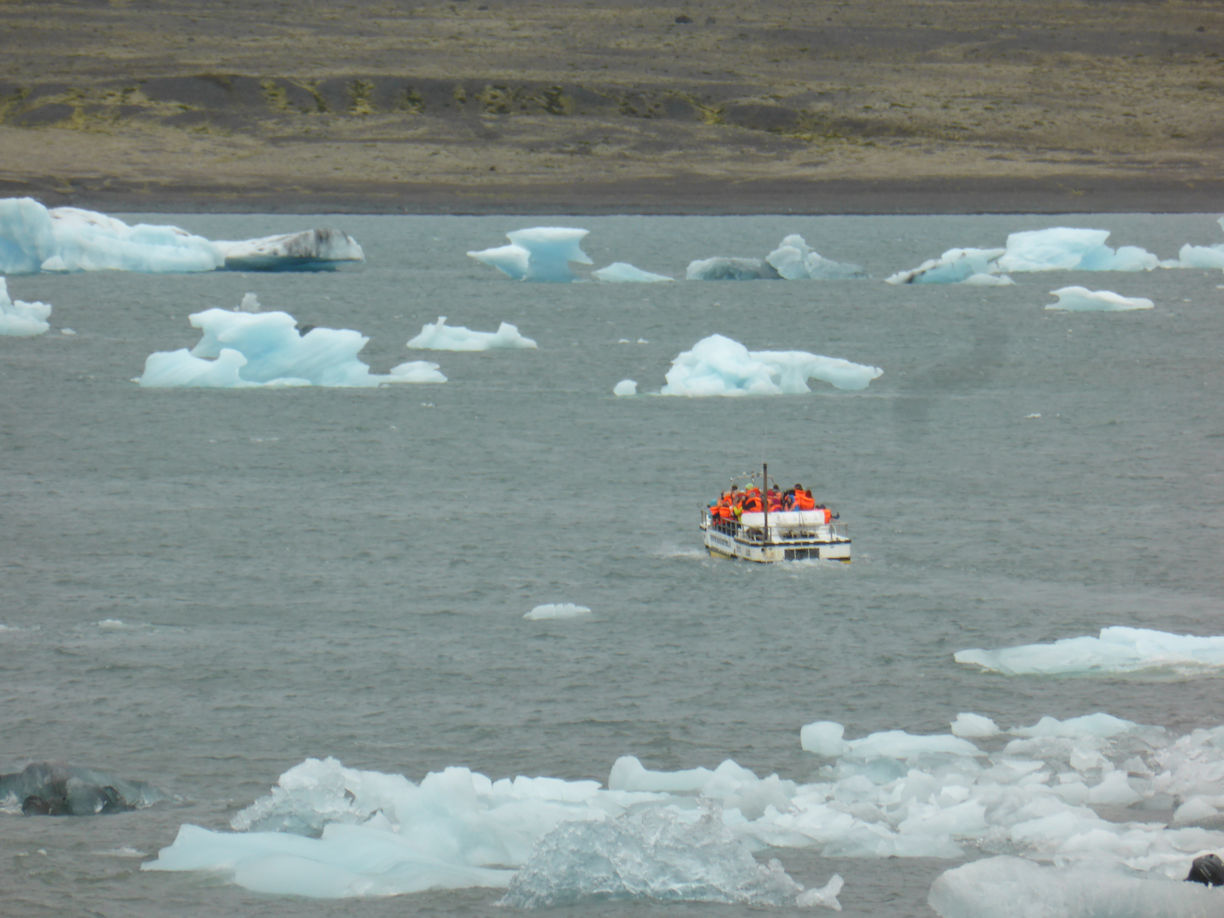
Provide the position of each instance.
(765, 498)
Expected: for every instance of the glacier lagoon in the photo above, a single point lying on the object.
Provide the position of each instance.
(208, 589)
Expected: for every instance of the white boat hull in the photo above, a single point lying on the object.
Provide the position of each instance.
(794, 536)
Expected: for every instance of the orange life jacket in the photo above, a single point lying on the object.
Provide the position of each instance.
(804, 500)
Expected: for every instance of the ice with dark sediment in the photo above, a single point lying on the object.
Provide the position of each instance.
(35, 239)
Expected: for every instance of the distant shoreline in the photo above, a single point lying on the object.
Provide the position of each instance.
(680, 197)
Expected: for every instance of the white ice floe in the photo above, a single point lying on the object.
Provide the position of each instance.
(624, 273)
(625, 387)
(1012, 887)
(1200, 256)
(538, 253)
(1115, 650)
(442, 337)
(1081, 299)
(19, 318)
(34, 238)
(1094, 790)
(557, 611)
(241, 349)
(717, 365)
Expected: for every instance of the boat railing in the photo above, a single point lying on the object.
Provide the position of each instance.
(782, 534)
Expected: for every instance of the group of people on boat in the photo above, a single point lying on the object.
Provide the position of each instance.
(734, 503)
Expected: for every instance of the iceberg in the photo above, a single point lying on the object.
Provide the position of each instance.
(1086, 791)
(1113, 651)
(955, 266)
(56, 789)
(1012, 887)
(794, 259)
(1064, 249)
(442, 337)
(34, 238)
(19, 318)
(538, 253)
(241, 348)
(1081, 299)
(728, 267)
(625, 387)
(722, 366)
(655, 854)
(1200, 256)
(557, 611)
(624, 273)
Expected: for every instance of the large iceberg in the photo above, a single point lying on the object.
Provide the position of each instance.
(242, 348)
(442, 337)
(1115, 650)
(34, 238)
(718, 365)
(1093, 790)
(1081, 299)
(538, 253)
(1054, 249)
(19, 318)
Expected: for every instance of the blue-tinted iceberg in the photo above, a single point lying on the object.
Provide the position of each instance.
(1063, 248)
(1114, 651)
(955, 266)
(1092, 790)
(625, 387)
(620, 272)
(1054, 249)
(654, 854)
(538, 253)
(56, 789)
(241, 349)
(442, 337)
(1081, 299)
(34, 238)
(19, 318)
(722, 366)
(794, 259)
(730, 267)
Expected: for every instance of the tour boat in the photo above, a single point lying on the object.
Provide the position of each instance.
(766, 537)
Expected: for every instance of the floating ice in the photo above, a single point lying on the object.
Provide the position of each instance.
(1054, 249)
(1081, 299)
(19, 318)
(442, 337)
(1063, 249)
(556, 610)
(727, 267)
(625, 387)
(794, 259)
(954, 266)
(721, 366)
(1011, 887)
(1031, 791)
(34, 238)
(654, 854)
(622, 272)
(1115, 650)
(241, 349)
(538, 253)
(1200, 256)
(54, 789)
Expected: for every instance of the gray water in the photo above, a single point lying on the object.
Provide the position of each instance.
(203, 588)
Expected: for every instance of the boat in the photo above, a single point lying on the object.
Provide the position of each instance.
(767, 537)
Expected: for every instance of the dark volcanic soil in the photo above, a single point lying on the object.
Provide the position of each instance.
(605, 106)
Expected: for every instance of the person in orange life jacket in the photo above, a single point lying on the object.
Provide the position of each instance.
(774, 499)
(752, 501)
(804, 499)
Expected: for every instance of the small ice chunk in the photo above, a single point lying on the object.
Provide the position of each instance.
(623, 272)
(442, 337)
(556, 611)
(1081, 299)
(625, 387)
(19, 318)
(726, 267)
